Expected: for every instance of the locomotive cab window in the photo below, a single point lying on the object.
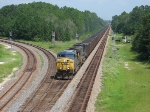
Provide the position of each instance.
(71, 56)
(61, 55)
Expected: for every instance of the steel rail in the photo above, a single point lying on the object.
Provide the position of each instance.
(6, 97)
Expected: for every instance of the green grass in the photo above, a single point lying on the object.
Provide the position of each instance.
(58, 45)
(124, 89)
(11, 60)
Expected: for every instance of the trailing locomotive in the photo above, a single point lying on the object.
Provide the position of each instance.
(70, 60)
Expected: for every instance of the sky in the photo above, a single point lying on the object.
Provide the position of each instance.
(105, 9)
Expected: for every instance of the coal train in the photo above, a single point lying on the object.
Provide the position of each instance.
(70, 60)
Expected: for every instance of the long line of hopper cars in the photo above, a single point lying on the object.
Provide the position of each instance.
(70, 60)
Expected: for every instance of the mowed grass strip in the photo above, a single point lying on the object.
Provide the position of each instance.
(58, 45)
(53, 47)
(126, 82)
(9, 60)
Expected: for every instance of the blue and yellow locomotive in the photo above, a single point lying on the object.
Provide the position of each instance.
(69, 61)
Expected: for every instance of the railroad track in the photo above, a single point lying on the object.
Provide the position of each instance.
(81, 98)
(48, 91)
(8, 95)
(49, 97)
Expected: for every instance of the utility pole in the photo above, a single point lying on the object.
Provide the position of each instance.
(10, 36)
(114, 39)
(53, 38)
(77, 38)
(114, 48)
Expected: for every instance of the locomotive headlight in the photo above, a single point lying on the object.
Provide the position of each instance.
(68, 69)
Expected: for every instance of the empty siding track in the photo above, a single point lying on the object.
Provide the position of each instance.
(83, 92)
(8, 95)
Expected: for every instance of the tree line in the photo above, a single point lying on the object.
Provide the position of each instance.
(136, 23)
(36, 21)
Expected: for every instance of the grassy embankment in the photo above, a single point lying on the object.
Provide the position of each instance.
(9, 60)
(126, 82)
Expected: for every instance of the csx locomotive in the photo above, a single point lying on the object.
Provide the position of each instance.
(69, 61)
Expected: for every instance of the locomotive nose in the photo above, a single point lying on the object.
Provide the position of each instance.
(65, 65)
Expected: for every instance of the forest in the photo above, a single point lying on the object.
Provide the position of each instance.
(37, 20)
(136, 23)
